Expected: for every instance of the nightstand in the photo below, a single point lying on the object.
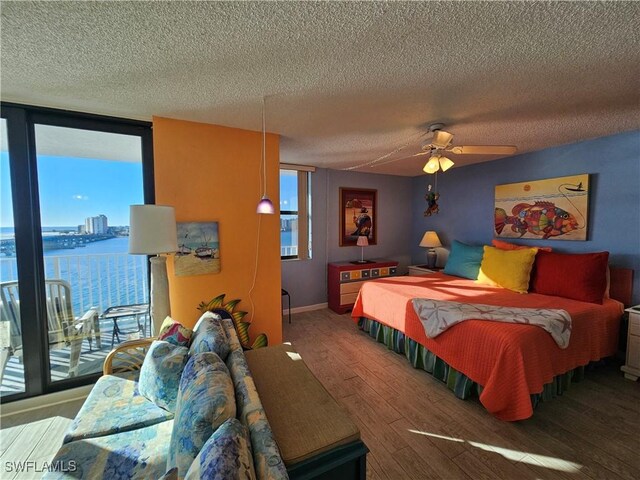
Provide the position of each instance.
(632, 368)
(422, 270)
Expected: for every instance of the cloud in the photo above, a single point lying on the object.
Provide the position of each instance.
(80, 197)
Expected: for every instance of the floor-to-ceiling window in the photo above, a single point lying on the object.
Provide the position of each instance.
(70, 291)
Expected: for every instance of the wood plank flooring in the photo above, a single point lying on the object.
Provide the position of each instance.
(33, 436)
(416, 428)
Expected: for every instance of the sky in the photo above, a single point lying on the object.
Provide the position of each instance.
(72, 189)
(288, 190)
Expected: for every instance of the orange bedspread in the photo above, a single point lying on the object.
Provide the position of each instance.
(511, 361)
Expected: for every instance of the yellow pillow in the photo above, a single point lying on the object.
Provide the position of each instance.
(509, 269)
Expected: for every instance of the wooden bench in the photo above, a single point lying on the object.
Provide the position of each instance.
(316, 437)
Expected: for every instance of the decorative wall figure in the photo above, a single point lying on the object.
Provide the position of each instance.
(555, 208)
(432, 202)
(228, 310)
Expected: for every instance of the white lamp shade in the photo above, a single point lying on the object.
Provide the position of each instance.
(363, 241)
(152, 229)
(446, 163)
(432, 165)
(430, 240)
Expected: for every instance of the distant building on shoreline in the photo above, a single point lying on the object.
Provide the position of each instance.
(96, 225)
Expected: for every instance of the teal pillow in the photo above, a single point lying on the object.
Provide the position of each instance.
(226, 455)
(206, 399)
(464, 260)
(209, 336)
(160, 373)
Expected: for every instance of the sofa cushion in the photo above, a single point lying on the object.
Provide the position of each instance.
(209, 336)
(305, 419)
(266, 455)
(225, 456)
(137, 454)
(174, 332)
(114, 405)
(160, 373)
(205, 401)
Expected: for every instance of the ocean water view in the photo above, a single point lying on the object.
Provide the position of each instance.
(101, 273)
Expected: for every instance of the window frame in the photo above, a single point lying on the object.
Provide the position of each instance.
(303, 212)
(21, 121)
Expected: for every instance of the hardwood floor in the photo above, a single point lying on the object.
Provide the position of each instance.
(416, 428)
(33, 436)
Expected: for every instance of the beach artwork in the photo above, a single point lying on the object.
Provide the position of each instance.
(198, 249)
(551, 209)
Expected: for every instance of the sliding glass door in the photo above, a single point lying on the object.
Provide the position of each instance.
(11, 354)
(80, 174)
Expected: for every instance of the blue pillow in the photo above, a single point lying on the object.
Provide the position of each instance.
(160, 373)
(209, 336)
(206, 399)
(226, 455)
(464, 260)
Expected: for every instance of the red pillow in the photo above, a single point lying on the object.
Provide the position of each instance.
(580, 276)
(512, 246)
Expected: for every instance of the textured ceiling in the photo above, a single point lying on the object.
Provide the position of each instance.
(347, 82)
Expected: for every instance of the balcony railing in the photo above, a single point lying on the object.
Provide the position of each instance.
(288, 250)
(97, 280)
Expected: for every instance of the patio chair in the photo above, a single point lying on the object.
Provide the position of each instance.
(64, 329)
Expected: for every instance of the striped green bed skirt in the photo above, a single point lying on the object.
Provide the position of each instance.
(461, 385)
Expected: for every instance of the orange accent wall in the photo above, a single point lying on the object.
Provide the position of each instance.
(212, 173)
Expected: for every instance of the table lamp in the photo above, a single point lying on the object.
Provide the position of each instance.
(152, 231)
(363, 241)
(430, 240)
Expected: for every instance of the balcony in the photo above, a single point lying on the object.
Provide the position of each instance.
(97, 281)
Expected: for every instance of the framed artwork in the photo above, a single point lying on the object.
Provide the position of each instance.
(551, 209)
(357, 211)
(198, 249)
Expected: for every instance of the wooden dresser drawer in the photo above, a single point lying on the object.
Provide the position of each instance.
(353, 287)
(348, 298)
(634, 324)
(633, 352)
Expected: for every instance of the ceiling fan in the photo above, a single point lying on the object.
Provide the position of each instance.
(441, 142)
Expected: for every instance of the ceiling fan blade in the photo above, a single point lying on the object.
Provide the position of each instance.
(428, 152)
(441, 139)
(483, 149)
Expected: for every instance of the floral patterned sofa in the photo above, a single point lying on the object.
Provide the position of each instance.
(214, 426)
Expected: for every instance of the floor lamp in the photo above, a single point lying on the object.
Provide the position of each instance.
(152, 231)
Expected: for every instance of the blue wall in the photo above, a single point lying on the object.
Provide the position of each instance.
(306, 280)
(467, 198)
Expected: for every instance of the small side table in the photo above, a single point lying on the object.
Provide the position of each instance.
(120, 311)
(631, 368)
(422, 270)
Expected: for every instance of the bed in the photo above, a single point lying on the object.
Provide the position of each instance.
(510, 365)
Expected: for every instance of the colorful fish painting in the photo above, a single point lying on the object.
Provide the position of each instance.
(548, 209)
(542, 219)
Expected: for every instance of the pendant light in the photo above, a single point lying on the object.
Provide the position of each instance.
(265, 206)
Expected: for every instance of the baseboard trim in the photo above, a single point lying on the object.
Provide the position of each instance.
(307, 308)
(35, 403)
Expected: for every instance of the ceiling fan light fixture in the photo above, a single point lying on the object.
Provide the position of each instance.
(445, 163)
(432, 164)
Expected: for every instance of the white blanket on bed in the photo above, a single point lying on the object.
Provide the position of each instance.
(439, 315)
